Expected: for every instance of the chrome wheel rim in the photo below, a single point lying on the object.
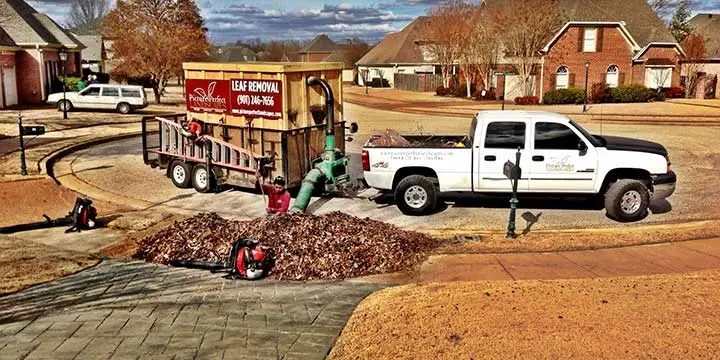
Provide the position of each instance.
(124, 108)
(631, 202)
(201, 178)
(416, 196)
(179, 174)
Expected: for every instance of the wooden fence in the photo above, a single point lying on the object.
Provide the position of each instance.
(418, 82)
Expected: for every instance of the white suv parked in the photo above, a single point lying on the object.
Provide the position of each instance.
(123, 98)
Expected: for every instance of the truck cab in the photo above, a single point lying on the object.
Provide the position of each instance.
(557, 157)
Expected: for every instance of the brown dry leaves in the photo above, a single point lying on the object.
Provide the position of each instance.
(307, 247)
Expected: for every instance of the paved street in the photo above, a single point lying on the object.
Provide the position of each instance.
(127, 310)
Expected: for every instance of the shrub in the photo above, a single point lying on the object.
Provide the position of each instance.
(527, 100)
(461, 90)
(71, 83)
(442, 91)
(674, 92)
(564, 96)
(635, 93)
(601, 93)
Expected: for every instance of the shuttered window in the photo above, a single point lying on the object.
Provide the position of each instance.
(562, 78)
(590, 40)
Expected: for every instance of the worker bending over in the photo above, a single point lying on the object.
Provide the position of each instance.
(278, 196)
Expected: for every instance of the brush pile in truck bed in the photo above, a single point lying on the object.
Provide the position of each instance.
(307, 247)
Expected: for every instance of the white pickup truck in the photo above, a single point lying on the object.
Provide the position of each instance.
(558, 157)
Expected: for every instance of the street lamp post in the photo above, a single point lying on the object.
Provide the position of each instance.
(23, 164)
(587, 68)
(504, 74)
(63, 57)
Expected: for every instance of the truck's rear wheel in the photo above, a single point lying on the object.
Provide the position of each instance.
(180, 173)
(627, 200)
(416, 195)
(200, 179)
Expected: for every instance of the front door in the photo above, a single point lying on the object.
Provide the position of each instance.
(560, 160)
(9, 86)
(501, 140)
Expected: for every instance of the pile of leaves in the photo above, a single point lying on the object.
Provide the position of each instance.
(307, 247)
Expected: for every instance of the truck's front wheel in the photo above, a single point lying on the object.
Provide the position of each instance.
(416, 195)
(627, 200)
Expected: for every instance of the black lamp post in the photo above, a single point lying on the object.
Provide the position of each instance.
(23, 164)
(63, 57)
(504, 74)
(587, 68)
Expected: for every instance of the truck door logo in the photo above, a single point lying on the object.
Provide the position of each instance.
(559, 164)
(380, 164)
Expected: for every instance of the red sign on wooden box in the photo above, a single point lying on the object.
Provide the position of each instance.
(210, 96)
(256, 98)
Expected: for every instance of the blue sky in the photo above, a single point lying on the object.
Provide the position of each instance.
(370, 20)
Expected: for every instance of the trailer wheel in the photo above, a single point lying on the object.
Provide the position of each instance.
(416, 195)
(180, 173)
(627, 200)
(200, 179)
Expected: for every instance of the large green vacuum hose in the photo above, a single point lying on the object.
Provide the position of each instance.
(306, 190)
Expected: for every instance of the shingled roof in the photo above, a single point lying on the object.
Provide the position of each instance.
(400, 47)
(321, 43)
(5, 39)
(708, 25)
(25, 26)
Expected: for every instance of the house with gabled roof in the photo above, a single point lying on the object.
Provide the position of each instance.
(622, 42)
(29, 46)
(403, 52)
(708, 67)
(318, 49)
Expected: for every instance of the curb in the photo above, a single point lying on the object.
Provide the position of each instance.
(47, 162)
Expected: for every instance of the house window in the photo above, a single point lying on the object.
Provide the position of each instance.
(562, 78)
(658, 78)
(590, 40)
(612, 76)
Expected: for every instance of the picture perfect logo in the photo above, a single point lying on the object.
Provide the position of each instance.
(206, 99)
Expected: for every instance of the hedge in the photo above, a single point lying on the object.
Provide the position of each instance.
(527, 100)
(564, 96)
(71, 83)
(635, 93)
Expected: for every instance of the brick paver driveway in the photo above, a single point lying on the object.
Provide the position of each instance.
(130, 310)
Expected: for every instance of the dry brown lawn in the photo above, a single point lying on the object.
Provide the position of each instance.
(656, 317)
(26, 263)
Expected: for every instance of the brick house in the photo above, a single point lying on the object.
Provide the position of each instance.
(318, 49)
(623, 42)
(707, 68)
(29, 46)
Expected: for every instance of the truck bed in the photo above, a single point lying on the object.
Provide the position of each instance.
(415, 141)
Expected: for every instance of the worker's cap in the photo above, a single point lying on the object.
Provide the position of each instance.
(279, 180)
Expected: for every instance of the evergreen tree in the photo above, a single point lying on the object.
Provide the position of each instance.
(680, 23)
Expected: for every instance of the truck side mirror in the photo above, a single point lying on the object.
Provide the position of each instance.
(582, 147)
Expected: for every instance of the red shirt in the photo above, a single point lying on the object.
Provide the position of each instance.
(277, 202)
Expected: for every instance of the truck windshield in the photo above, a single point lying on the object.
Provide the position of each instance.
(593, 140)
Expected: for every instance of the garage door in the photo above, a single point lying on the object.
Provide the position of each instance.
(9, 86)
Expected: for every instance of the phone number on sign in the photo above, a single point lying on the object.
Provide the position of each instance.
(255, 100)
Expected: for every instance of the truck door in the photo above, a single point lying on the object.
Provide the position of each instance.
(499, 143)
(561, 160)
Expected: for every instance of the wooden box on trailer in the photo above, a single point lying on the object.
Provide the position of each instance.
(266, 108)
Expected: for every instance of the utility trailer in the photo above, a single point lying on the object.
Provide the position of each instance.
(258, 115)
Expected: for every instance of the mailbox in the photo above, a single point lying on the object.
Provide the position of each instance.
(512, 171)
(31, 130)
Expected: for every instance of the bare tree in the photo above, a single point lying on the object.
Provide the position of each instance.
(694, 46)
(477, 47)
(524, 27)
(444, 33)
(85, 12)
